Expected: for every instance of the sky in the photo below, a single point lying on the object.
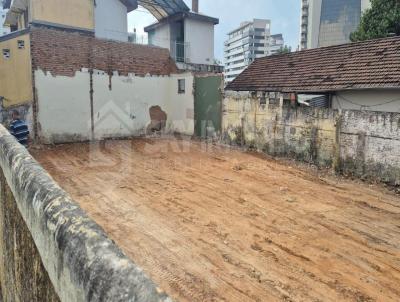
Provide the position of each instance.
(284, 16)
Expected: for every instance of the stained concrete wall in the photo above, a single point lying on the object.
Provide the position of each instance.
(370, 145)
(22, 274)
(362, 143)
(50, 249)
(121, 105)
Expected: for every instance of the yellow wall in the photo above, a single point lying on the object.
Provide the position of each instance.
(75, 13)
(16, 72)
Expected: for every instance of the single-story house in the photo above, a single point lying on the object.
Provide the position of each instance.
(359, 76)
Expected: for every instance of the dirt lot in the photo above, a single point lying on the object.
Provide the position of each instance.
(213, 224)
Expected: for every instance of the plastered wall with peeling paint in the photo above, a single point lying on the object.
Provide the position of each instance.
(361, 143)
(119, 106)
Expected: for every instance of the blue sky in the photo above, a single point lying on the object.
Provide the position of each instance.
(284, 16)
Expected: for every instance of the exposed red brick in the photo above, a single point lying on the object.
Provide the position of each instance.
(63, 53)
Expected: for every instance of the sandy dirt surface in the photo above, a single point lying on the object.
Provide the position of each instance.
(214, 224)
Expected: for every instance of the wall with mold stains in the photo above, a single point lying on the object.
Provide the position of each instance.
(120, 105)
(22, 275)
(361, 143)
(50, 250)
(279, 130)
(370, 145)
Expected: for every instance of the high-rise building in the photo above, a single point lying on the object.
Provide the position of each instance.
(3, 30)
(249, 41)
(329, 22)
(276, 44)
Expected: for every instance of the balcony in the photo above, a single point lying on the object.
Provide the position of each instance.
(180, 51)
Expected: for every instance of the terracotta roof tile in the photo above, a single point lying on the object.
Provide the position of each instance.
(361, 65)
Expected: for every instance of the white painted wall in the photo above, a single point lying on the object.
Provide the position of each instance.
(161, 37)
(368, 100)
(111, 20)
(63, 107)
(122, 111)
(200, 37)
(181, 106)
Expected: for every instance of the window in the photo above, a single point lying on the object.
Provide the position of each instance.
(21, 44)
(6, 53)
(181, 86)
(274, 98)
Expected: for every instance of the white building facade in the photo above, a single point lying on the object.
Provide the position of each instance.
(3, 29)
(248, 42)
(329, 22)
(111, 20)
(189, 36)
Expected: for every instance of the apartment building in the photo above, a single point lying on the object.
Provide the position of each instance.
(249, 41)
(329, 22)
(276, 44)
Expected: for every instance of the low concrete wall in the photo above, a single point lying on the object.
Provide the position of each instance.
(305, 134)
(50, 249)
(370, 145)
(361, 143)
(22, 275)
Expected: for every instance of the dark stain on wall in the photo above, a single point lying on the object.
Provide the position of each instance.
(23, 277)
(158, 119)
(363, 144)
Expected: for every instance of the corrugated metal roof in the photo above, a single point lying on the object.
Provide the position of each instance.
(361, 65)
(161, 9)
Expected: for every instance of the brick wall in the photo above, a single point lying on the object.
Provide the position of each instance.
(64, 52)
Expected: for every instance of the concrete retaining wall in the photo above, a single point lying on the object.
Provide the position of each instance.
(362, 143)
(50, 249)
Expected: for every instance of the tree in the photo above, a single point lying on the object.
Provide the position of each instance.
(285, 49)
(380, 21)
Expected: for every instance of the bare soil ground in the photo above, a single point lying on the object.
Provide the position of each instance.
(214, 224)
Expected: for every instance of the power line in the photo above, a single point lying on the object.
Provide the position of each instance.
(367, 106)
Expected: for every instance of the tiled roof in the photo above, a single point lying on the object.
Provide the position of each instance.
(361, 65)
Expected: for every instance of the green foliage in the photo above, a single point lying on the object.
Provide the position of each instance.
(284, 49)
(380, 21)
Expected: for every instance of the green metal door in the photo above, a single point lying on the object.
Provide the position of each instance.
(208, 106)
